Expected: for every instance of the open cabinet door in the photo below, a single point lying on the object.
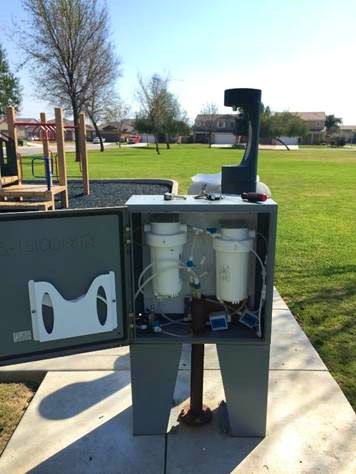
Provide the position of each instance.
(64, 283)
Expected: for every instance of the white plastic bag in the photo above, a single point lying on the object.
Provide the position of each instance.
(213, 184)
(212, 181)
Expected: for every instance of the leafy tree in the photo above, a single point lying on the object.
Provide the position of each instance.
(277, 124)
(338, 141)
(289, 125)
(266, 122)
(176, 121)
(180, 127)
(10, 90)
(68, 43)
(209, 111)
(144, 125)
(158, 107)
(332, 125)
(332, 122)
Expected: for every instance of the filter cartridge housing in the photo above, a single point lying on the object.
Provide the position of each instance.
(232, 248)
(166, 240)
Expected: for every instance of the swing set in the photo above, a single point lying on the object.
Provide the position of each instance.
(15, 192)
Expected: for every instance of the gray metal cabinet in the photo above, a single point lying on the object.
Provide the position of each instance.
(69, 282)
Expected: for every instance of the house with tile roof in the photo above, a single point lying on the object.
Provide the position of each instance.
(33, 132)
(348, 132)
(315, 121)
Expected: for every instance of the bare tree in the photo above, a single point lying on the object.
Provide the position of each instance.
(154, 100)
(208, 118)
(118, 113)
(176, 121)
(160, 113)
(101, 93)
(68, 43)
(95, 108)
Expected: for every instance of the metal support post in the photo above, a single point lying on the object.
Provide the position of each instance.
(196, 414)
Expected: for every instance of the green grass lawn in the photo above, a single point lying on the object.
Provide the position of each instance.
(316, 255)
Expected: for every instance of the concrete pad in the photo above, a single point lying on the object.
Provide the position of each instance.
(311, 428)
(283, 322)
(290, 347)
(82, 422)
(294, 353)
(278, 301)
(116, 358)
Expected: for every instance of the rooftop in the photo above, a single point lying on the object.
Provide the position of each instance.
(311, 116)
(217, 116)
(348, 127)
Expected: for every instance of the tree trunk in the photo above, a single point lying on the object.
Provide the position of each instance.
(167, 143)
(209, 139)
(97, 131)
(282, 142)
(76, 130)
(157, 146)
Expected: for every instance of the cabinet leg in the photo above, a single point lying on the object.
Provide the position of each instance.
(244, 371)
(154, 370)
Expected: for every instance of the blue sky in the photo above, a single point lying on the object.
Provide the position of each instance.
(300, 53)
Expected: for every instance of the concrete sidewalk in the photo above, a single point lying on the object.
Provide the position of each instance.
(80, 418)
(36, 148)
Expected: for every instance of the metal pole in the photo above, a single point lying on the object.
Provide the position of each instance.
(48, 171)
(196, 378)
(196, 414)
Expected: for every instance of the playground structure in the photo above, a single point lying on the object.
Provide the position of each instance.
(15, 193)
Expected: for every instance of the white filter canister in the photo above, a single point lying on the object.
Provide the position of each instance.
(232, 263)
(166, 240)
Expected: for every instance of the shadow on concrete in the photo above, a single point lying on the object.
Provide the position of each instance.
(77, 397)
(310, 429)
(207, 449)
(109, 449)
(122, 362)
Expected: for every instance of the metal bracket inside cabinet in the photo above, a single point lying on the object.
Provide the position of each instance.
(53, 317)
